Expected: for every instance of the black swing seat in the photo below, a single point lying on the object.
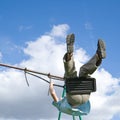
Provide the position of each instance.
(80, 85)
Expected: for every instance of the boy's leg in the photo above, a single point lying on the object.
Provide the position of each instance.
(73, 100)
(95, 61)
(70, 71)
(90, 67)
(69, 64)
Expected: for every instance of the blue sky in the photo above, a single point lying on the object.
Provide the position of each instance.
(23, 22)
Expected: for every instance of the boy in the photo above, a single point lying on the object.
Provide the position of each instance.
(78, 103)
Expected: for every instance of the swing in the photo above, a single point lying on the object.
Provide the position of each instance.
(79, 85)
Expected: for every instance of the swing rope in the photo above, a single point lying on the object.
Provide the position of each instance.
(44, 79)
(32, 71)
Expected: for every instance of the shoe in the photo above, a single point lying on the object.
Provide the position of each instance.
(101, 50)
(70, 42)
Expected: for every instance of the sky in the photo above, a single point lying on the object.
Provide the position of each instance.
(33, 35)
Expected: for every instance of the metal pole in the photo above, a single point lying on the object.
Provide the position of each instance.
(73, 117)
(63, 94)
(59, 116)
(80, 117)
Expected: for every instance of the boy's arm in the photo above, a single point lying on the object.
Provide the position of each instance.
(52, 92)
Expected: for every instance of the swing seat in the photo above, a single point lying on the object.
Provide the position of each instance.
(80, 85)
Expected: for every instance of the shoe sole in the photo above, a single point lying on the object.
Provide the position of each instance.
(102, 48)
(70, 42)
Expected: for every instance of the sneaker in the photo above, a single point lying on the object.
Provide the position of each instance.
(70, 42)
(101, 50)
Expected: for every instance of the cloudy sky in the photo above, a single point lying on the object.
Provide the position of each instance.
(32, 35)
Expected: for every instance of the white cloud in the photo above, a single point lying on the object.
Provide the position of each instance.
(105, 102)
(59, 30)
(45, 55)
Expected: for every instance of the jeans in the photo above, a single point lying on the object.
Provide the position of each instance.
(85, 70)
